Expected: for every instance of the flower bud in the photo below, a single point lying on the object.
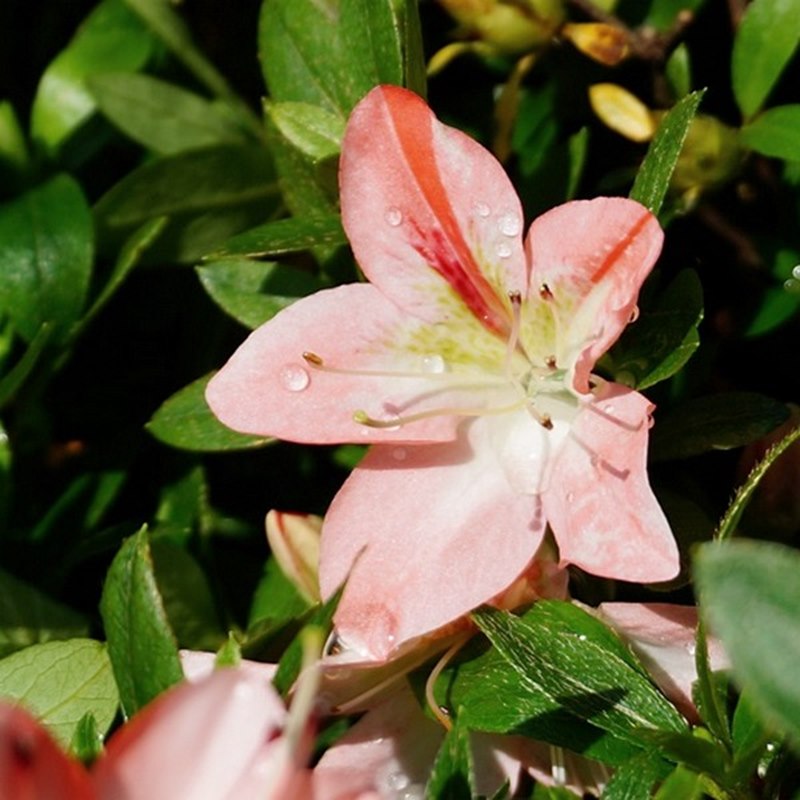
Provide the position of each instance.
(622, 111)
(606, 44)
(294, 540)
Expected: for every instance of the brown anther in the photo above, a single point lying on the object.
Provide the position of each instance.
(545, 293)
(550, 362)
(313, 359)
(547, 422)
(515, 297)
(445, 711)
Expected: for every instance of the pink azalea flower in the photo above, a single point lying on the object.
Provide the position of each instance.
(467, 361)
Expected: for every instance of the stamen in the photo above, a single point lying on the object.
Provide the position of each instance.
(312, 359)
(362, 418)
(513, 337)
(442, 713)
(545, 293)
(545, 420)
(550, 362)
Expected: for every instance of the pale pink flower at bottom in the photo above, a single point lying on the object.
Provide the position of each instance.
(467, 361)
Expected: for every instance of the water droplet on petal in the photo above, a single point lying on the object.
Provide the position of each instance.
(691, 648)
(482, 210)
(570, 497)
(509, 225)
(399, 454)
(434, 364)
(634, 314)
(394, 216)
(397, 781)
(503, 250)
(295, 378)
(608, 408)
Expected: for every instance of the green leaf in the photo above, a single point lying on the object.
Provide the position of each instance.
(775, 133)
(28, 616)
(86, 744)
(11, 382)
(6, 462)
(778, 306)
(664, 337)
(286, 236)
(663, 13)
(141, 644)
(160, 116)
(310, 129)
(566, 654)
(186, 596)
(185, 421)
(715, 422)
(332, 54)
(254, 291)
(703, 756)
(60, 682)
(110, 39)
(634, 780)
(652, 180)
(681, 784)
(765, 41)
(275, 599)
(452, 771)
(730, 521)
(749, 739)
(46, 248)
(678, 70)
(710, 690)
(750, 594)
(209, 195)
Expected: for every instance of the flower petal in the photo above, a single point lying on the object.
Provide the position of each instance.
(445, 534)
(268, 388)
(32, 766)
(591, 257)
(599, 504)
(195, 741)
(663, 635)
(432, 217)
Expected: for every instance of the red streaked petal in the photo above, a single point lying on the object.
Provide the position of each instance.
(432, 218)
(445, 532)
(599, 504)
(593, 256)
(32, 766)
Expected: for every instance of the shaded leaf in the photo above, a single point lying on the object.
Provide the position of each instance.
(141, 644)
(451, 776)
(681, 784)
(60, 682)
(652, 180)
(275, 599)
(715, 422)
(87, 742)
(634, 780)
(775, 133)
(47, 250)
(28, 616)
(160, 116)
(185, 421)
(750, 594)
(765, 41)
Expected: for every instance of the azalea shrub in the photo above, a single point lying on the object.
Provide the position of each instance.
(399, 400)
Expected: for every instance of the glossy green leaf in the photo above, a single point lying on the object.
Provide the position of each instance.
(28, 616)
(566, 654)
(652, 180)
(286, 236)
(635, 779)
(86, 744)
(141, 644)
(678, 71)
(187, 598)
(15, 378)
(775, 133)
(254, 291)
(14, 156)
(664, 337)
(750, 595)
(778, 306)
(209, 195)
(715, 422)
(111, 38)
(47, 250)
(311, 129)
(331, 55)
(750, 738)
(451, 776)
(767, 38)
(275, 599)
(60, 682)
(161, 116)
(185, 421)
(681, 784)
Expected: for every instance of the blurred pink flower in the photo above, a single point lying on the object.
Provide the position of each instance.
(467, 360)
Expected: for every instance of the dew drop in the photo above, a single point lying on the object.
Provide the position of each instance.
(394, 216)
(582, 637)
(295, 378)
(399, 454)
(691, 648)
(609, 408)
(482, 210)
(796, 272)
(503, 250)
(792, 286)
(634, 314)
(397, 781)
(509, 225)
(570, 497)
(433, 365)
